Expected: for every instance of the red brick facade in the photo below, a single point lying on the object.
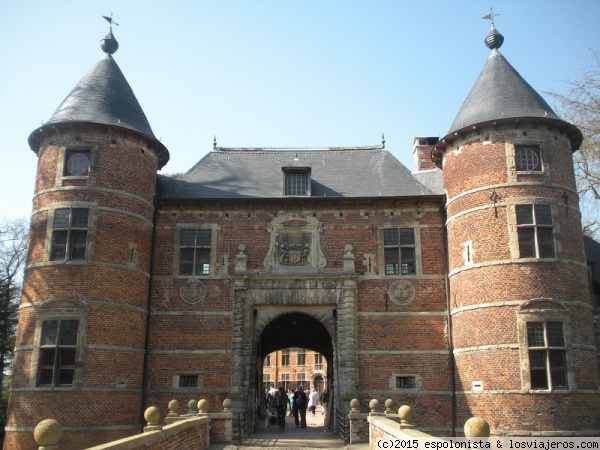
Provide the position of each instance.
(448, 330)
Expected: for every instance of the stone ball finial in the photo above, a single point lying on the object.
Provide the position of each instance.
(389, 406)
(348, 249)
(355, 405)
(241, 249)
(227, 405)
(173, 408)
(374, 406)
(47, 433)
(202, 406)
(151, 415)
(476, 427)
(192, 406)
(405, 414)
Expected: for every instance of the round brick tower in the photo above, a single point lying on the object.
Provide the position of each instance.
(79, 355)
(523, 338)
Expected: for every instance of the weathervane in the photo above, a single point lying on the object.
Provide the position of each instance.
(110, 20)
(491, 16)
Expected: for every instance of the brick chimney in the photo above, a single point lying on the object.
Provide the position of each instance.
(422, 153)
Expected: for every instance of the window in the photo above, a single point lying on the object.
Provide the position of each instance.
(266, 381)
(77, 163)
(535, 233)
(194, 252)
(296, 181)
(301, 376)
(267, 361)
(189, 381)
(285, 381)
(547, 355)
(318, 361)
(527, 159)
(399, 251)
(69, 234)
(301, 357)
(58, 348)
(285, 357)
(403, 382)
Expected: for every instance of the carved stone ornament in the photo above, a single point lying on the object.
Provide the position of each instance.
(402, 292)
(295, 243)
(192, 291)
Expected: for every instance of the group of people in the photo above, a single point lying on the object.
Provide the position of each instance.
(299, 401)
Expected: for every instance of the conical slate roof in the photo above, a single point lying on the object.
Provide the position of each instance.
(103, 96)
(502, 95)
(499, 93)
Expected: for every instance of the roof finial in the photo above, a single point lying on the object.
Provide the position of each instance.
(382, 140)
(214, 142)
(491, 16)
(494, 39)
(110, 20)
(109, 44)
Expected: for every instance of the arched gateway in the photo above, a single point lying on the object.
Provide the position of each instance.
(294, 308)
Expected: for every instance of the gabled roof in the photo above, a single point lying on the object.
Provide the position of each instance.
(352, 172)
(103, 96)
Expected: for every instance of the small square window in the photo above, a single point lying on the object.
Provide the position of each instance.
(404, 382)
(296, 180)
(188, 381)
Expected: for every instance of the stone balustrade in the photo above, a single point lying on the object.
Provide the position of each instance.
(398, 426)
(194, 429)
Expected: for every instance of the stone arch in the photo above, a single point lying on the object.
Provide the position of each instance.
(296, 326)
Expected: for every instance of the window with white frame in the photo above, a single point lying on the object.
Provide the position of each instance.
(285, 357)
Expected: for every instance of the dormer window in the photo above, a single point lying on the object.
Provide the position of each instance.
(296, 180)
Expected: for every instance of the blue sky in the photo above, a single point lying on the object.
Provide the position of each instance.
(275, 73)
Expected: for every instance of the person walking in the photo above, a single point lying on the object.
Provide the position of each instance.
(324, 398)
(313, 401)
(282, 401)
(300, 404)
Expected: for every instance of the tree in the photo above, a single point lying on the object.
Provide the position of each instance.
(580, 105)
(13, 251)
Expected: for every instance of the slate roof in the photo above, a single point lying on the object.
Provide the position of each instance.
(103, 96)
(500, 92)
(502, 95)
(351, 172)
